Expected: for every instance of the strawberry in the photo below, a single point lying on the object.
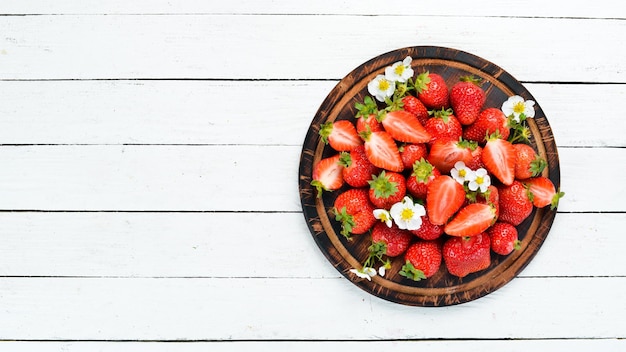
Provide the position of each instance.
(341, 135)
(357, 169)
(499, 158)
(543, 192)
(386, 189)
(488, 122)
(422, 260)
(515, 204)
(503, 238)
(443, 126)
(491, 197)
(444, 197)
(423, 173)
(528, 164)
(466, 255)
(428, 230)
(396, 241)
(369, 123)
(382, 151)
(432, 90)
(404, 127)
(467, 99)
(477, 158)
(355, 212)
(411, 153)
(327, 175)
(415, 107)
(471, 220)
(445, 153)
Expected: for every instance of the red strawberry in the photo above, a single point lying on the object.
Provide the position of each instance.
(443, 126)
(415, 107)
(488, 122)
(444, 154)
(466, 255)
(445, 196)
(423, 173)
(411, 153)
(327, 175)
(357, 168)
(355, 212)
(477, 158)
(387, 189)
(404, 127)
(515, 204)
(428, 230)
(432, 90)
(423, 260)
(471, 220)
(341, 135)
(369, 123)
(491, 197)
(467, 99)
(382, 151)
(503, 238)
(499, 158)
(528, 164)
(543, 192)
(396, 240)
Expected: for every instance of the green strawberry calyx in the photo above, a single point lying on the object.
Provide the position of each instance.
(382, 186)
(346, 220)
(411, 272)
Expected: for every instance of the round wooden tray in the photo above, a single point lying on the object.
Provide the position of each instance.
(442, 289)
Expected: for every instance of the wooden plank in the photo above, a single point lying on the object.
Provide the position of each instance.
(197, 112)
(574, 345)
(246, 47)
(223, 178)
(263, 309)
(534, 8)
(204, 245)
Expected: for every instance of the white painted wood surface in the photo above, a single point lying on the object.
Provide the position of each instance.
(148, 175)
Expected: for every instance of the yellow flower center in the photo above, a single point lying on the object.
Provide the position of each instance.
(480, 180)
(407, 214)
(462, 173)
(519, 107)
(383, 85)
(399, 70)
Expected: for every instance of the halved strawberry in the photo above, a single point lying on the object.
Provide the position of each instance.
(543, 192)
(445, 153)
(445, 196)
(499, 157)
(404, 127)
(341, 135)
(471, 220)
(382, 151)
(327, 175)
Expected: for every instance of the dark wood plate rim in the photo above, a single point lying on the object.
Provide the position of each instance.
(444, 289)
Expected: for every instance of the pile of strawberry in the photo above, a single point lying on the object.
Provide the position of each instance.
(412, 149)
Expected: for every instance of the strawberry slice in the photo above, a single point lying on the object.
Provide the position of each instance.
(499, 157)
(445, 153)
(328, 175)
(382, 151)
(444, 197)
(471, 220)
(543, 192)
(341, 135)
(404, 127)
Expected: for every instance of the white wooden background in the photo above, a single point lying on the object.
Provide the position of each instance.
(149, 154)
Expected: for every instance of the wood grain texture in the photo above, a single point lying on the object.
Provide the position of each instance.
(246, 47)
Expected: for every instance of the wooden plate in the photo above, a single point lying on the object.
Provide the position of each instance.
(442, 289)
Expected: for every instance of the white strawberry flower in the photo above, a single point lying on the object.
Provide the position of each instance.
(381, 88)
(516, 106)
(407, 215)
(481, 180)
(401, 71)
(364, 273)
(461, 173)
(384, 216)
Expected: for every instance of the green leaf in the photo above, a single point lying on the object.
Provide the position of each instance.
(412, 273)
